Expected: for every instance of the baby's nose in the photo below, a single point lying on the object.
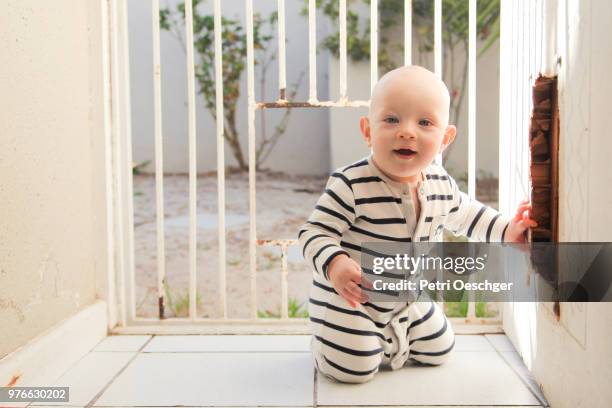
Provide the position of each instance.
(407, 133)
(407, 130)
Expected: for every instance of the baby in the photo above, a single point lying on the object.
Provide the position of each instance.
(396, 194)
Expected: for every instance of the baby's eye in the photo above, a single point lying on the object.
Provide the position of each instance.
(425, 122)
(391, 119)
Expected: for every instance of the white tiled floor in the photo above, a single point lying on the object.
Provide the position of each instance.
(163, 371)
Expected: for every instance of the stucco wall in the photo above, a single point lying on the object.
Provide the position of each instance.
(571, 358)
(51, 228)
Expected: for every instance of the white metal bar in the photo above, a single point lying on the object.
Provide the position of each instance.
(513, 99)
(408, 32)
(530, 27)
(111, 266)
(343, 56)
(472, 10)
(503, 110)
(251, 127)
(220, 158)
(472, 99)
(182, 321)
(439, 296)
(284, 291)
(127, 122)
(373, 43)
(317, 104)
(159, 156)
(312, 50)
(551, 31)
(282, 244)
(118, 159)
(297, 321)
(438, 38)
(550, 38)
(270, 326)
(470, 316)
(192, 159)
(438, 51)
(538, 42)
(528, 92)
(282, 69)
(524, 88)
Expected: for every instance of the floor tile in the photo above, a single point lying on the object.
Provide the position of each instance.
(515, 361)
(89, 376)
(209, 379)
(467, 378)
(228, 343)
(13, 404)
(472, 343)
(500, 342)
(122, 343)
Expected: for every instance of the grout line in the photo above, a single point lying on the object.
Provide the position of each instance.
(315, 402)
(228, 352)
(529, 382)
(99, 394)
(189, 406)
(195, 406)
(93, 350)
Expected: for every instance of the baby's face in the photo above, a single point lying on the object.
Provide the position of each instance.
(407, 125)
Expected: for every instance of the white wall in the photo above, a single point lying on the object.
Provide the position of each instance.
(347, 143)
(571, 358)
(304, 148)
(52, 236)
(324, 139)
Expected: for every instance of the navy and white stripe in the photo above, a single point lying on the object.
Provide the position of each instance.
(361, 204)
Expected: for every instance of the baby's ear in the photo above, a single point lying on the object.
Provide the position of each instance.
(449, 137)
(364, 126)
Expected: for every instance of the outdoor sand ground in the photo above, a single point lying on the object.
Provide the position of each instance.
(283, 204)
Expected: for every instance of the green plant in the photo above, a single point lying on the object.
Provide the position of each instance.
(234, 46)
(459, 309)
(454, 36)
(137, 168)
(203, 246)
(456, 304)
(234, 262)
(294, 310)
(180, 306)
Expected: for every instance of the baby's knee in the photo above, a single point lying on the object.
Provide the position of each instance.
(342, 366)
(351, 371)
(434, 356)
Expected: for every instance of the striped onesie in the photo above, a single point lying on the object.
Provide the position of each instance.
(361, 204)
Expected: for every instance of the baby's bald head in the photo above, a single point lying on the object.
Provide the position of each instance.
(416, 82)
(407, 125)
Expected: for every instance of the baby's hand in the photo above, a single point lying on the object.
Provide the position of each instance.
(345, 274)
(520, 223)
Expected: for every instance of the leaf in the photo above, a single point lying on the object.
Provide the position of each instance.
(493, 37)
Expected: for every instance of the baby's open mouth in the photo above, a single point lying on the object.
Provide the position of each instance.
(405, 152)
